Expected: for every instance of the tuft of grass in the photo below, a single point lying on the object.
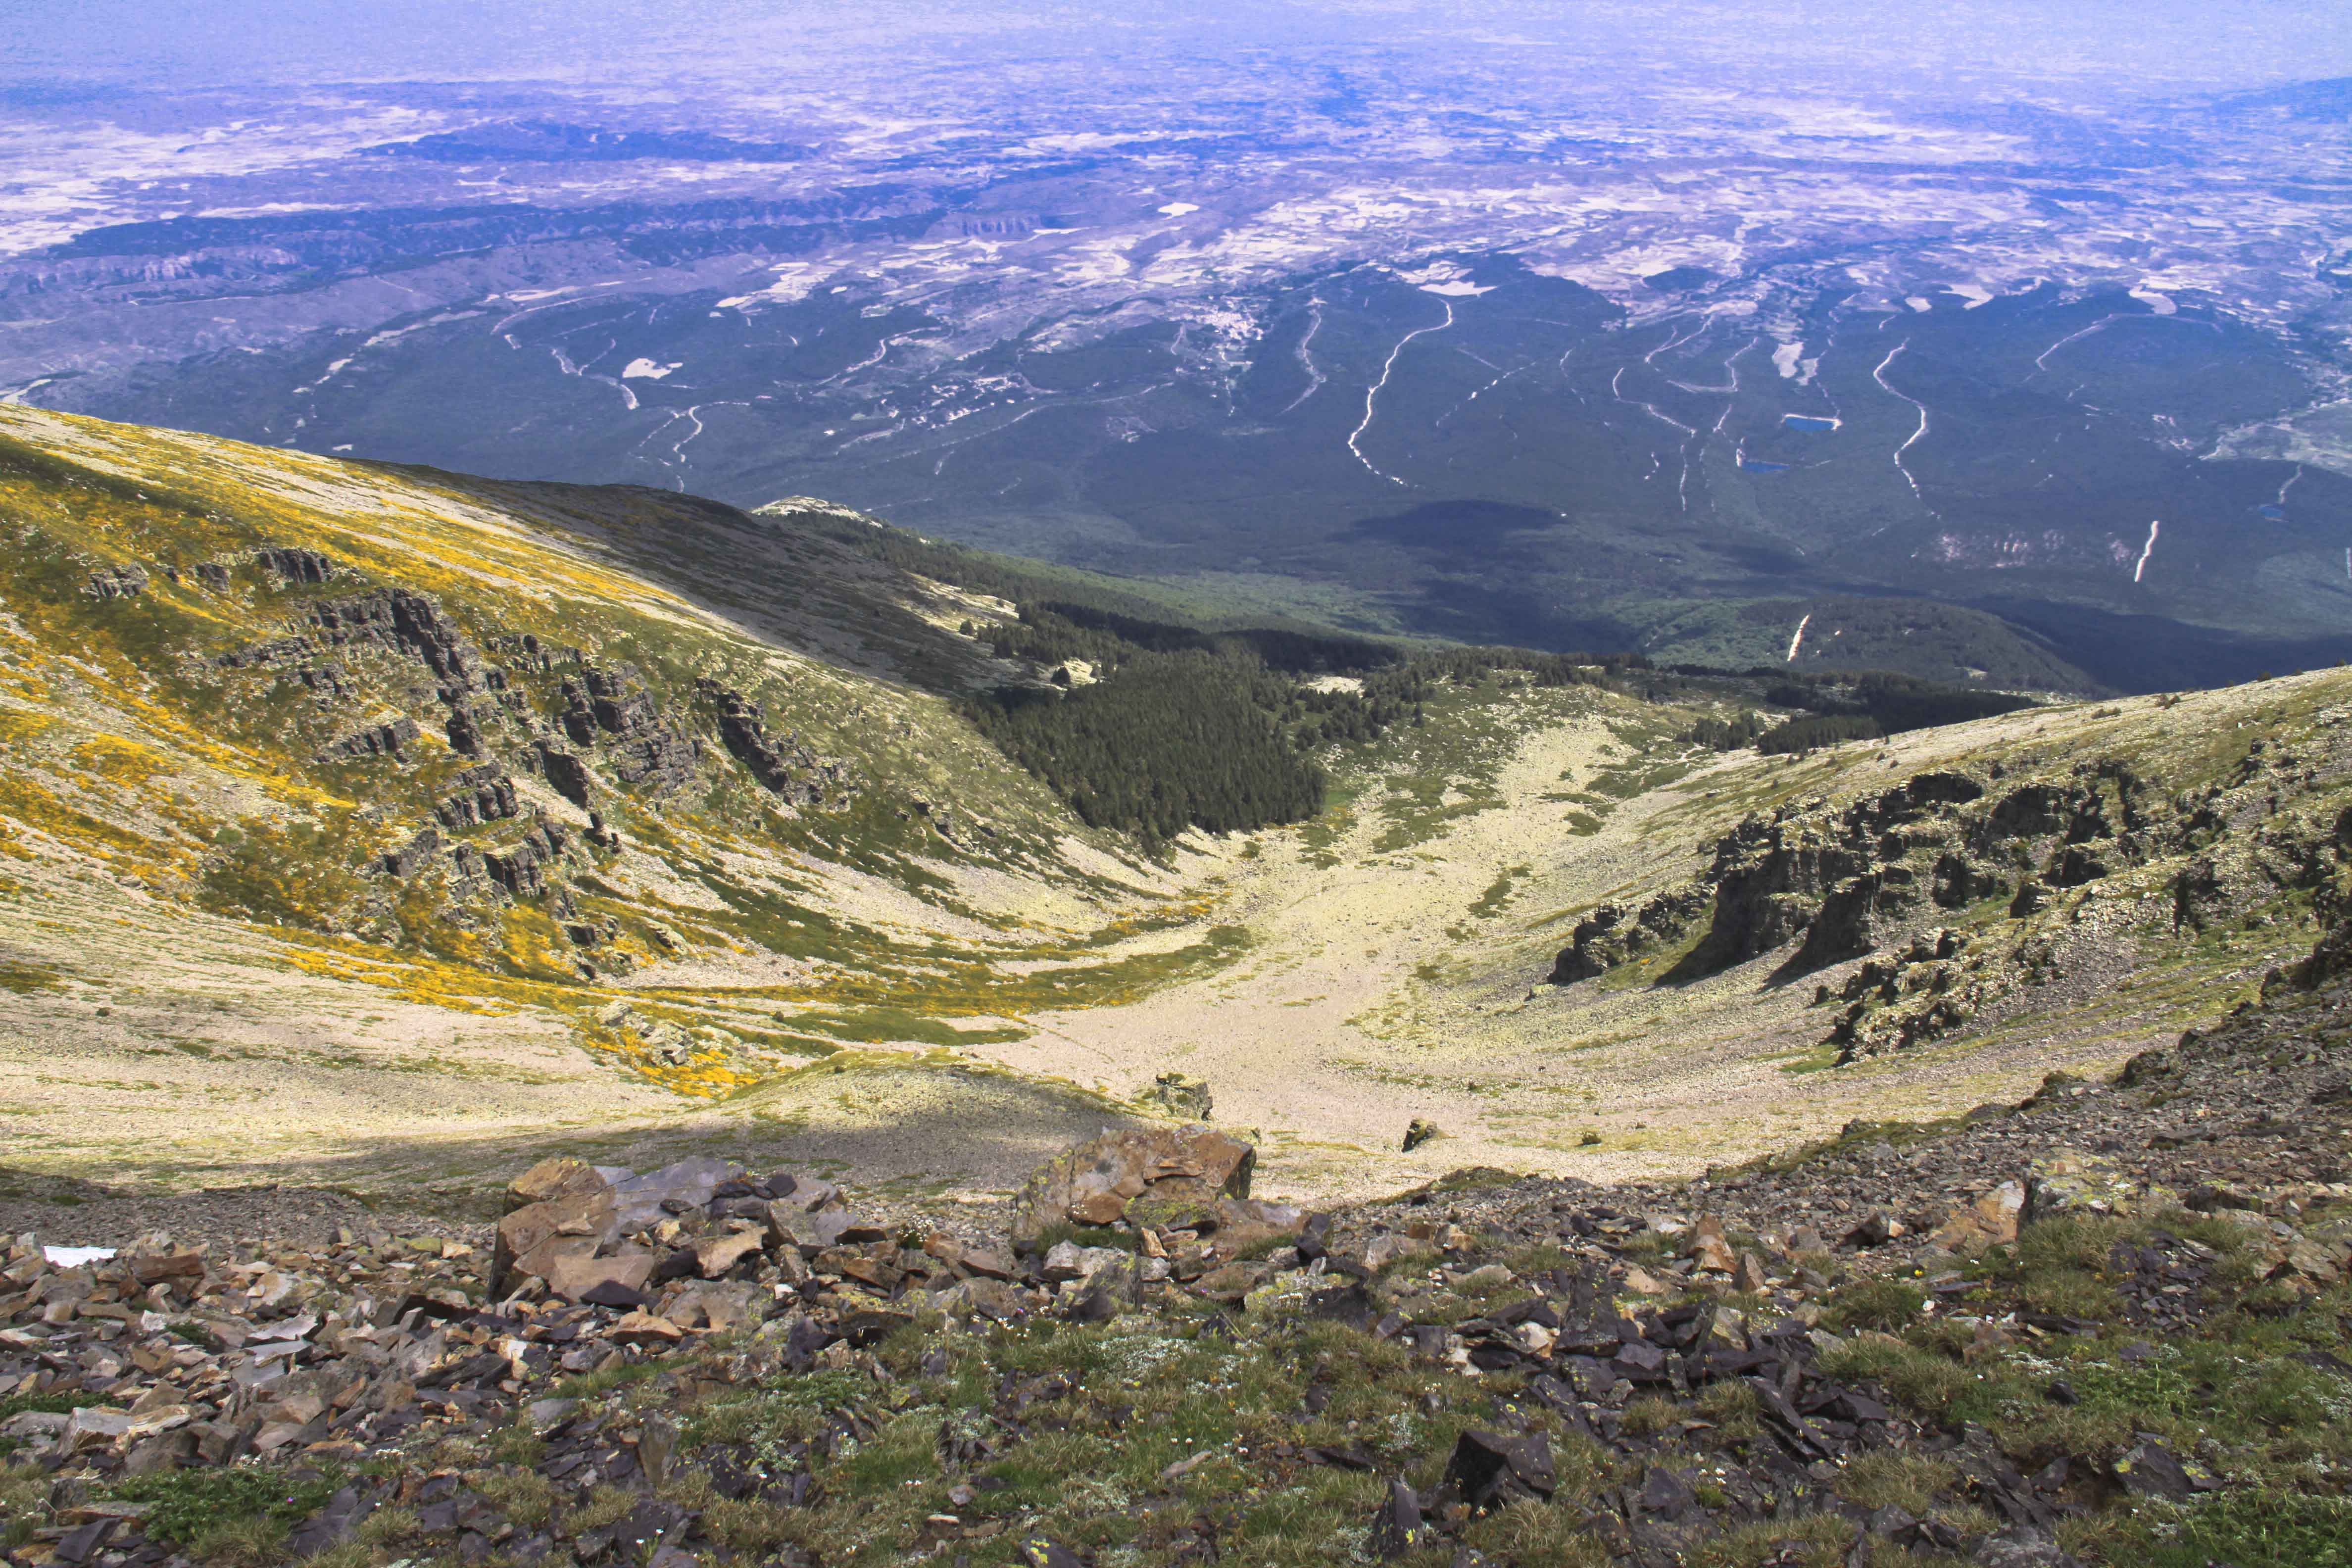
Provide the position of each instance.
(523, 1495)
(1651, 1415)
(2247, 1528)
(1735, 1408)
(1883, 1304)
(233, 1516)
(49, 1404)
(1911, 1482)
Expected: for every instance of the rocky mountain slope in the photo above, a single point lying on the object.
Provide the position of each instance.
(2104, 1325)
(383, 826)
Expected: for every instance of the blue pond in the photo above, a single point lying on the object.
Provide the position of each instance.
(1751, 465)
(2273, 510)
(1808, 422)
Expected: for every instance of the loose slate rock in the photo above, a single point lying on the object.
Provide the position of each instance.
(1397, 1529)
(1492, 1470)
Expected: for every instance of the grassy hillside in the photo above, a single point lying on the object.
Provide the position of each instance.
(438, 748)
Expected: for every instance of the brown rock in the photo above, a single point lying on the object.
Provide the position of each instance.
(574, 1276)
(643, 1328)
(531, 1238)
(174, 1266)
(985, 1298)
(1099, 1208)
(1990, 1221)
(715, 1254)
(1708, 1247)
(2319, 1261)
(550, 1180)
(717, 1306)
(970, 1259)
(1245, 1222)
(1176, 1172)
(1641, 1282)
(1231, 1282)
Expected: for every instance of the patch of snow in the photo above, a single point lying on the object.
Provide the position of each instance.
(2155, 299)
(74, 1257)
(1178, 209)
(646, 370)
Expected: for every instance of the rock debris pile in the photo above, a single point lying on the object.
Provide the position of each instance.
(707, 1364)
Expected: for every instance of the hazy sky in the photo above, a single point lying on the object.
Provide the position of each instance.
(230, 43)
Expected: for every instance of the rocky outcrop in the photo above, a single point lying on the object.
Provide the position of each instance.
(785, 768)
(523, 868)
(413, 856)
(1167, 1177)
(383, 739)
(483, 794)
(1614, 933)
(1920, 994)
(117, 582)
(403, 623)
(1826, 885)
(291, 563)
(1842, 881)
(565, 774)
(465, 730)
(610, 707)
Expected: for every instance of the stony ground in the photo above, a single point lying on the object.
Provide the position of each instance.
(2106, 1324)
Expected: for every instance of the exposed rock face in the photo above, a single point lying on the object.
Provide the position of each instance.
(381, 740)
(264, 654)
(566, 774)
(117, 582)
(406, 623)
(325, 680)
(1960, 881)
(1615, 932)
(522, 869)
(484, 794)
(1845, 926)
(1150, 1176)
(414, 855)
(291, 563)
(1845, 882)
(465, 731)
(609, 706)
(789, 768)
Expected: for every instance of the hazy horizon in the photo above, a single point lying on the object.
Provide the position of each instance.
(212, 45)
